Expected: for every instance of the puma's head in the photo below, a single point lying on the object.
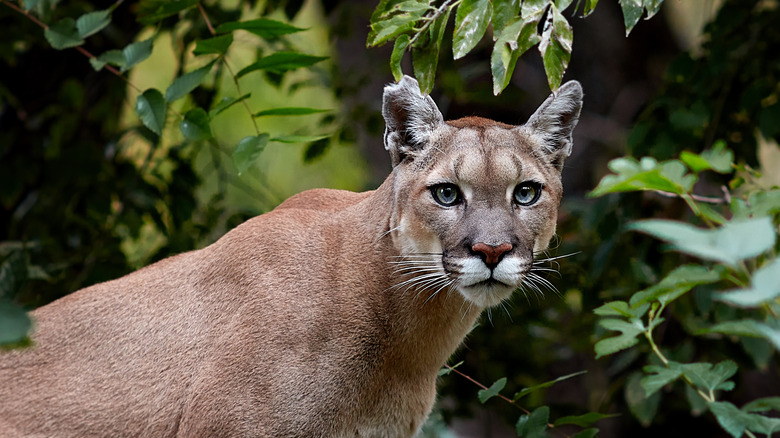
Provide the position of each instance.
(474, 199)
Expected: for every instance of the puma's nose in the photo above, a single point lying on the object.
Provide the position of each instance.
(492, 253)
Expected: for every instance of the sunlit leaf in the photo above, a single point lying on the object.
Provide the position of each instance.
(518, 36)
(281, 62)
(765, 286)
(621, 308)
(632, 12)
(471, 22)
(676, 283)
(299, 138)
(151, 108)
(718, 159)
(584, 420)
(290, 111)
(647, 174)
(533, 425)
(262, 27)
(216, 45)
(555, 47)
(731, 243)
(248, 149)
(503, 12)
(746, 327)
(399, 48)
(195, 125)
(590, 5)
(93, 22)
(446, 370)
(531, 389)
(486, 394)
(136, 52)
(63, 34)
(225, 103)
(185, 83)
(399, 19)
(425, 55)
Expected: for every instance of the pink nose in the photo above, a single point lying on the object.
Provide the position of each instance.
(492, 253)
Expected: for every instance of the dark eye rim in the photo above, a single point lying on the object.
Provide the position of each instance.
(537, 186)
(458, 195)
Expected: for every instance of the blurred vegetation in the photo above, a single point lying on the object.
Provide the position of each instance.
(89, 192)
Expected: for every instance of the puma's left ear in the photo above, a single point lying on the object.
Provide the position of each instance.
(410, 118)
(555, 120)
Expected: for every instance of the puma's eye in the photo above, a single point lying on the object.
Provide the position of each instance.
(528, 192)
(446, 194)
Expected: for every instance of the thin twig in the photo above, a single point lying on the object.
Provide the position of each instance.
(206, 19)
(700, 198)
(430, 20)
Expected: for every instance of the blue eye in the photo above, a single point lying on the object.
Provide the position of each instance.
(528, 192)
(446, 194)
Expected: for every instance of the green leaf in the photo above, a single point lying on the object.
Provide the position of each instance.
(93, 22)
(525, 391)
(516, 38)
(425, 53)
(399, 19)
(676, 283)
(195, 125)
(629, 330)
(652, 6)
(708, 377)
(621, 308)
(646, 174)
(152, 11)
(216, 45)
(151, 108)
(136, 52)
(632, 12)
(63, 34)
(290, 111)
(731, 243)
(247, 151)
(731, 419)
(225, 103)
(185, 83)
(555, 47)
(401, 44)
(718, 159)
(281, 62)
(486, 394)
(471, 22)
(763, 405)
(642, 407)
(765, 287)
(503, 12)
(657, 378)
(446, 370)
(533, 425)
(15, 324)
(746, 327)
(113, 57)
(299, 138)
(587, 433)
(262, 27)
(590, 5)
(584, 420)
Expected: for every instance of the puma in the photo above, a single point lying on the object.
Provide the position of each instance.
(330, 316)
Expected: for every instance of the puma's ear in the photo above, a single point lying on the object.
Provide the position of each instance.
(555, 120)
(410, 118)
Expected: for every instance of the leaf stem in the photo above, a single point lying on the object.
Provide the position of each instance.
(431, 18)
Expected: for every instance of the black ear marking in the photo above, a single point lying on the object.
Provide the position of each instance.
(410, 118)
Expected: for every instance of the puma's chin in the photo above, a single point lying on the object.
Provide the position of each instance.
(487, 293)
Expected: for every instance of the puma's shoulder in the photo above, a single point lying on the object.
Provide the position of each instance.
(327, 200)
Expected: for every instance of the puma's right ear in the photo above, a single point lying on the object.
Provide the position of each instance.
(410, 118)
(555, 120)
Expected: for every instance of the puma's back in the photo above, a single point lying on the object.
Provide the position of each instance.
(329, 316)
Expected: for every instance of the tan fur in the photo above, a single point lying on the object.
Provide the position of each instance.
(312, 320)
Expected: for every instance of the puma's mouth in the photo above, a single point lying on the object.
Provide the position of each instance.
(490, 282)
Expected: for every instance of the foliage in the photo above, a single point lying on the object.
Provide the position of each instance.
(418, 26)
(150, 196)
